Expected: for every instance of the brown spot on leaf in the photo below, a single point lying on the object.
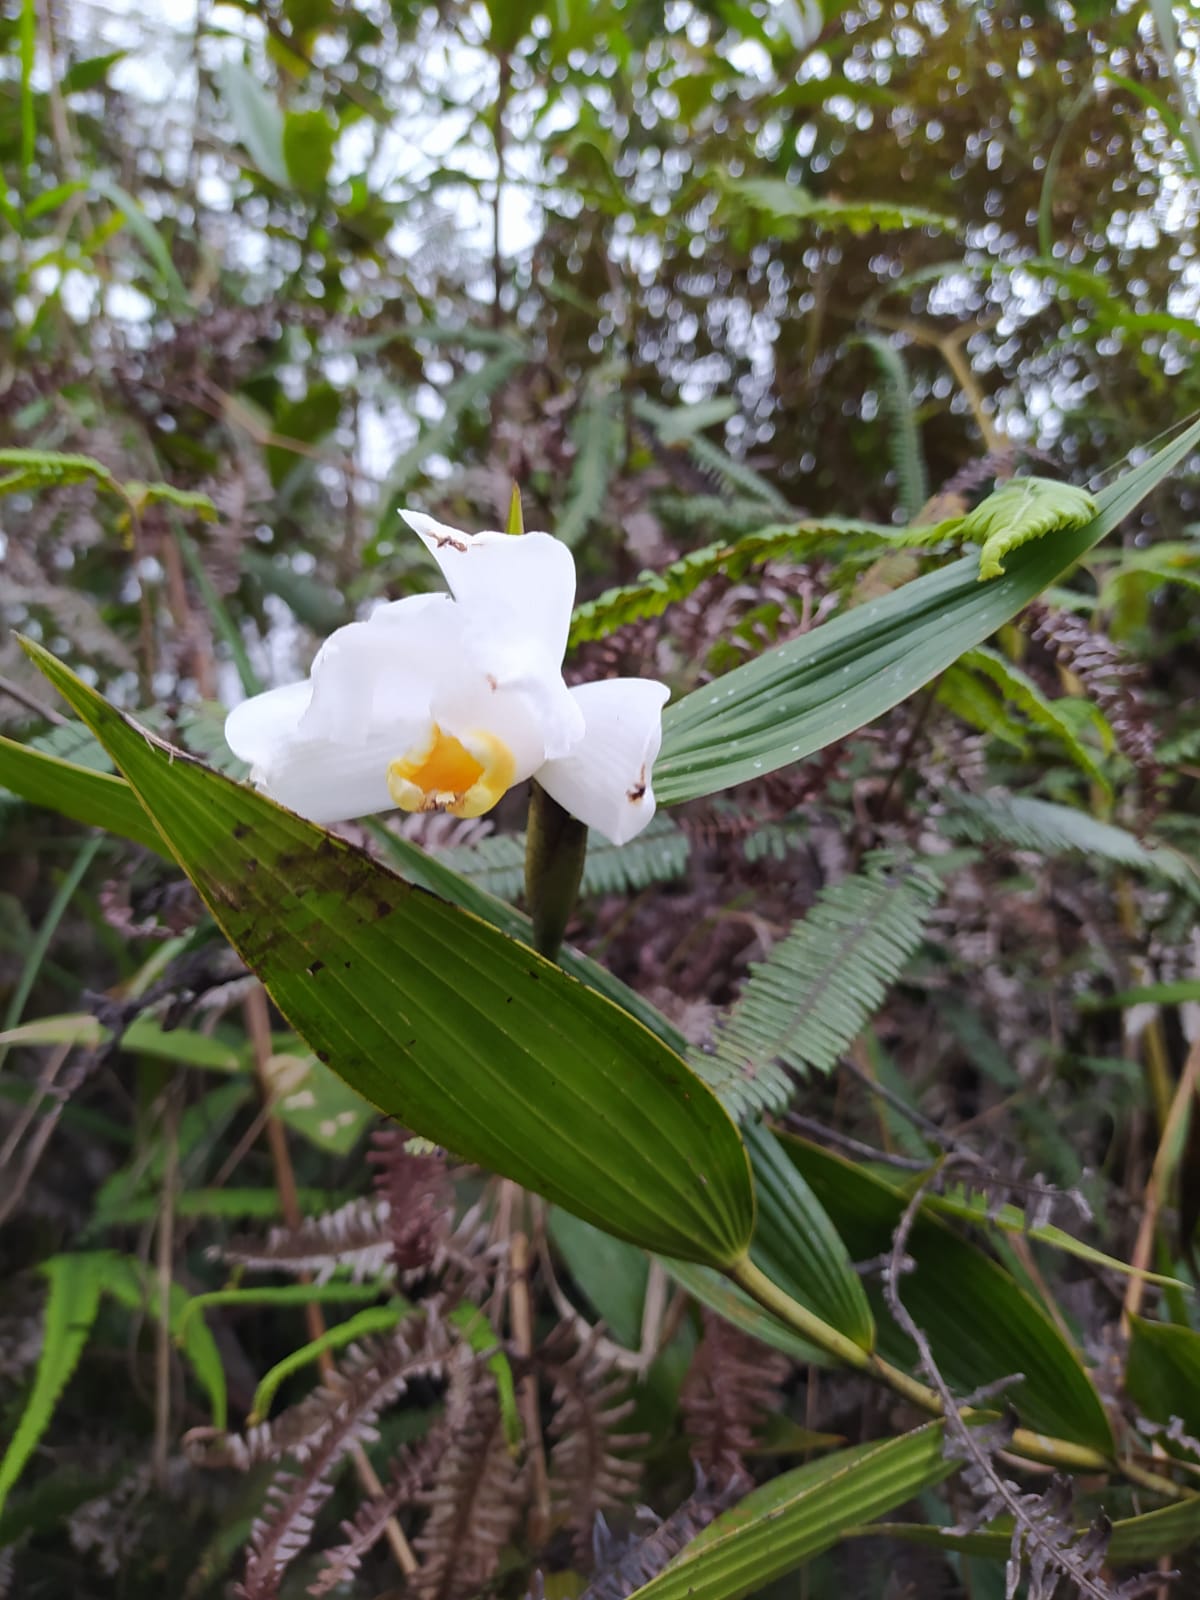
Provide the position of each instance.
(316, 967)
(240, 830)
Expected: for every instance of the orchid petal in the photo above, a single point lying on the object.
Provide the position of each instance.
(256, 729)
(371, 673)
(525, 581)
(605, 780)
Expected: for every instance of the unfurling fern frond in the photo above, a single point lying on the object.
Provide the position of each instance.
(1022, 510)
(820, 985)
(590, 1466)
(908, 463)
(598, 436)
(478, 1495)
(731, 1389)
(1026, 824)
(497, 864)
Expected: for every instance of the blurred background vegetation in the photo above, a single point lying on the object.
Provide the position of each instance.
(683, 272)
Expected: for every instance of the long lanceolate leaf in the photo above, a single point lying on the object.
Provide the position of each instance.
(820, 985)
(981, 1325)
(780, 1526)
(432, 1015)
(809, 692)
(95, 798)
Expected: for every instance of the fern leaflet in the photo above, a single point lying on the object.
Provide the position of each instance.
(497, 863)
(714, 462)
(820, 985)
(655, 591)
(597, 435)
(908, 462)
(76, 1284)
(1027, 824)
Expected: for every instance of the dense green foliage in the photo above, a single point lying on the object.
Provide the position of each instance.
(855, 353)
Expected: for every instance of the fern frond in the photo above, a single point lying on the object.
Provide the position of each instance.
(655, 591)
(354, 1238)
(908, 462)
(438, 438)
(418, 1198)
(1108, 677)
(733, 476)
(1019, 688)
(820, 985)
(497, 863)
(623, 1567)
(478, 1495)
(598, 436)
(590, 1467)
(731, 1389)
(339, 1415)
(1041, 825)
(658, 855)
(409, 1473)
(1022, 510)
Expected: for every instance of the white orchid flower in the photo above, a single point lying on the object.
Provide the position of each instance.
(444, 702)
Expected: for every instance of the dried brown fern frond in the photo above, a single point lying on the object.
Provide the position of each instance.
(320, 1431)
(355, 1238)
(732, 1387)
(409, 1473)
(591, 1468)
(624, 1566)
(1109, 678)
(415, 1187)
(371, 1375)
(417, 1192)
(478, 1496)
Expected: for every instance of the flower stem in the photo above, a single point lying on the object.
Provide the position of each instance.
(555, 847)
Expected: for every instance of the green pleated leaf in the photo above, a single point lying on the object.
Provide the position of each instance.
(68, 788)
(1163, 1372)
(981, 1324)
(780, 1526)
(798, 1247)
(805, 694)
(440, 1021)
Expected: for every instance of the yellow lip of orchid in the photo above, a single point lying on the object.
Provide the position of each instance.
(445, 702)
(463, 776)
